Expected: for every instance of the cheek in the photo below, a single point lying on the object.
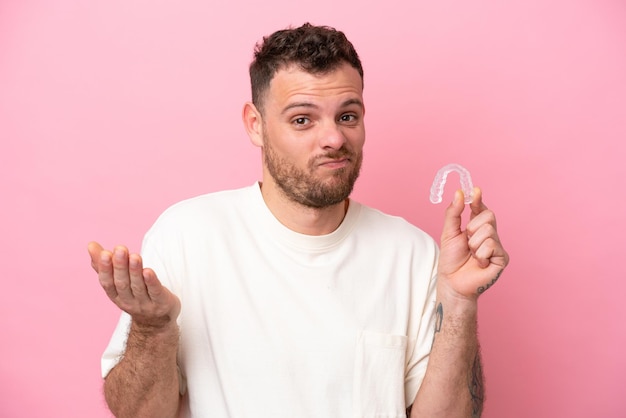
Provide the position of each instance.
(357, 138)
(292, 149)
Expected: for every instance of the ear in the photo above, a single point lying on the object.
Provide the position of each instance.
(253, 122)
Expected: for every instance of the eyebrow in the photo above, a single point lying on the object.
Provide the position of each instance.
(346, 103)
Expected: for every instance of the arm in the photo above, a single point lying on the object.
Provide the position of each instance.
(470, 262)
(145, 381)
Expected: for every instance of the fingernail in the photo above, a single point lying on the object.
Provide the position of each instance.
(105, 258)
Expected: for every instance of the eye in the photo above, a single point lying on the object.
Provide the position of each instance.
(301, 121)
(349, 118)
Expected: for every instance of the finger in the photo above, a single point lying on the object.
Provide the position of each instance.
(484, 219)
(105, 274)
(485, 232)
(487, 249)
(485, 252)
(483, 237)
(94, 250)
(121, 274)
(477, 206)
(452, 220)
(153, 285)
(137, 285)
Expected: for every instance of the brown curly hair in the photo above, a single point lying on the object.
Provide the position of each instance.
(315, 49)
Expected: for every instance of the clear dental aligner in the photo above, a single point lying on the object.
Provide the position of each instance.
(436, 190)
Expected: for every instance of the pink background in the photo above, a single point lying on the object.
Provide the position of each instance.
(112, 110)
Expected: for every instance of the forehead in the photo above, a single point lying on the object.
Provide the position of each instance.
(294, 84)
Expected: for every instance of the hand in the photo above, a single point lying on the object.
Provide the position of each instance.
(470, 261)
(135, 290)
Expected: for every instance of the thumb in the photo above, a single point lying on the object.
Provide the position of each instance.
(452, 220)
(94, 253)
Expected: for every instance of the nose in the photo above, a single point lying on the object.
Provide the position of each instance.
(332, 136)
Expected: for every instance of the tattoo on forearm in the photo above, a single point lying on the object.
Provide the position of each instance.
(438, 320)
(476, 387)
(483, 289)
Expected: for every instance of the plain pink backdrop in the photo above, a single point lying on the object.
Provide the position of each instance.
(110, 111)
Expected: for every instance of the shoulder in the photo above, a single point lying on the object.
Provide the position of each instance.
(207, 204)
(391, 234)
(211, 209)
(384, 224)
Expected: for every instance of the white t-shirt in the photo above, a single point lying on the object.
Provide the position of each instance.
(279, 324)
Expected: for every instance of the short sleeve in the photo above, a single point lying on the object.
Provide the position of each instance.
(418, 350)
(114, 351)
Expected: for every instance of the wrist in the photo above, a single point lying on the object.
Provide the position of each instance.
(163, 328)
(455, 302)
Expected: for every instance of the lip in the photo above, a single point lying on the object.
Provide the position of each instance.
(335, 163)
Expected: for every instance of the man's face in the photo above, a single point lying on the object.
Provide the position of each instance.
(313, 134)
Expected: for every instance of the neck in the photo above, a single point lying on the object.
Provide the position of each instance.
(300, 218)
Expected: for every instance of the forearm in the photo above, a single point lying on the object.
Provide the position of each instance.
(453, 384)
(145, 381)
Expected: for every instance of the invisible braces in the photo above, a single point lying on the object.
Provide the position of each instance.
(436, 190)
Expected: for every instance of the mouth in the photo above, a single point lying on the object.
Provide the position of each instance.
(334, 163)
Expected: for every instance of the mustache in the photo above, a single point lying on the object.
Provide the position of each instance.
(335, 155)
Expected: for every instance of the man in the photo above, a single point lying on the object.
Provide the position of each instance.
(287, 298)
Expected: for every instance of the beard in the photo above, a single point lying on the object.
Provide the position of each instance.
(301, 186)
